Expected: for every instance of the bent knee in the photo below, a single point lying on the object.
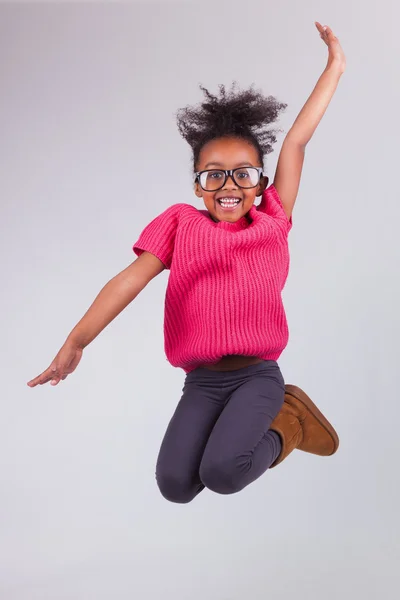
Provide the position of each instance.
(221, 477)
(176, 489)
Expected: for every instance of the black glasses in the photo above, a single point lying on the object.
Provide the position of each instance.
(215, 179)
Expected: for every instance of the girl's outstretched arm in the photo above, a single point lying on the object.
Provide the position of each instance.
(291, 157)
(111, 300)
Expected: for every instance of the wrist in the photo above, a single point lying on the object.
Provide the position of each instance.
(336, 67)
(75, 340)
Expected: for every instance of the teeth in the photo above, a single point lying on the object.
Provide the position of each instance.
(226, 202)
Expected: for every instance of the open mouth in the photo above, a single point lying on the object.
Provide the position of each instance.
(229, 203)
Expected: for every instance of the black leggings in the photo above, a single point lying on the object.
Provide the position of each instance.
(219, 435)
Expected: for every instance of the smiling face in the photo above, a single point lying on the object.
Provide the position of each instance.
(229, 153)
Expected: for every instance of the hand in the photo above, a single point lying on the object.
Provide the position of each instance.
(64, 363)
(336, 55)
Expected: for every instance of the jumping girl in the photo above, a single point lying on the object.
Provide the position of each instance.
(225, 324)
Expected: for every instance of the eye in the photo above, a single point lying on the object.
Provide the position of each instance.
(215, 174)
(242, 174)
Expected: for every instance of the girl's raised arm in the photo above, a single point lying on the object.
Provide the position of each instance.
(291, 157)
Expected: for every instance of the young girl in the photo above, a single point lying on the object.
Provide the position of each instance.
(225, 324)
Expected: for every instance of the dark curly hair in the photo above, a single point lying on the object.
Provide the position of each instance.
(235, 113)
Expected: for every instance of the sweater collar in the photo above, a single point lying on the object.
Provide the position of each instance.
(242, 223)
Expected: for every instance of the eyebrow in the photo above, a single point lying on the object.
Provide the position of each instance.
(216, 164)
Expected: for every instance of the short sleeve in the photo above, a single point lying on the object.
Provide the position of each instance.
(271, 204)
(158, 237)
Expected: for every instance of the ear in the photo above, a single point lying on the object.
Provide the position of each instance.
(262, 185)
(198, 190)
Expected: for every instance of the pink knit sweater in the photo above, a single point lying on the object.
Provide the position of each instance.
(225, 282)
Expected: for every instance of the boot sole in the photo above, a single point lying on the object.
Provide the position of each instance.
(302, 397)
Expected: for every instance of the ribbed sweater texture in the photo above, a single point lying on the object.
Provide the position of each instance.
(224, 289)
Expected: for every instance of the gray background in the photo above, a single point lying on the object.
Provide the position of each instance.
(90, 154)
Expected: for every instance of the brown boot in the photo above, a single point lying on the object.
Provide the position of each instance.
(301, 425)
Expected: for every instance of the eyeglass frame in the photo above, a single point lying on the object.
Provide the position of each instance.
(229, 173)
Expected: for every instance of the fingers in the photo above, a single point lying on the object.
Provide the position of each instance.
(51, 374)
(63, 365)
(57, 377)
(319, 27)
(41, 379)
(325, 33)
(329, 34)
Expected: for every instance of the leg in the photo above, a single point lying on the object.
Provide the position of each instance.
(241, 447)
(183, 445)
